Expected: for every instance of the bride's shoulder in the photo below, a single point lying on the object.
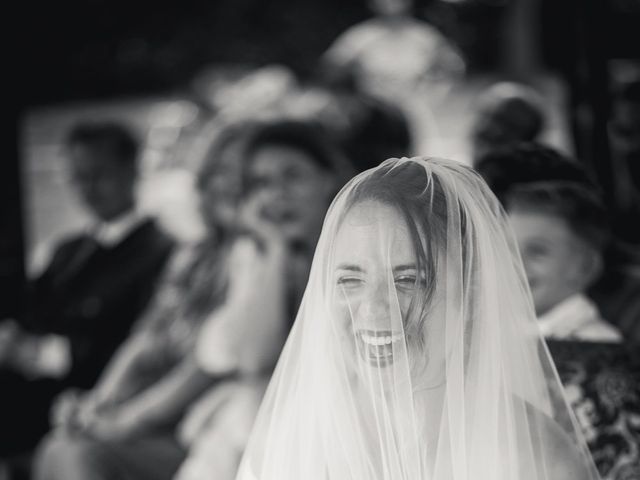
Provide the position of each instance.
(553, 448)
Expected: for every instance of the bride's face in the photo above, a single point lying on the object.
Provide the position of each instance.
(375, 277)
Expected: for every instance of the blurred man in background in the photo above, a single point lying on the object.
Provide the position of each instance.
(93, 288)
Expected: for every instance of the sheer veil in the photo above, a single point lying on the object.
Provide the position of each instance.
(415, 353)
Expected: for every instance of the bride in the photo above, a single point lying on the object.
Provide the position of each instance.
(415, 353)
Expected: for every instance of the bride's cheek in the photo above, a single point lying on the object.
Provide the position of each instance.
(342, 314)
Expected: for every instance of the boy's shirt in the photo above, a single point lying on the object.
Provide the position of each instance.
(577, 318)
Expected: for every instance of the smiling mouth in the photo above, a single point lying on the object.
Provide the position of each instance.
(376, 346)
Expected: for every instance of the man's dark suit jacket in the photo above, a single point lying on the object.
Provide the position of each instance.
(91, 295)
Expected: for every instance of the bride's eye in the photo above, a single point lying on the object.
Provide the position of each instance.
(349, 281)
(409, 281)
(405, 281)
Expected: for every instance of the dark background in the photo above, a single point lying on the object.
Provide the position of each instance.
(101, 49)
(89, 49)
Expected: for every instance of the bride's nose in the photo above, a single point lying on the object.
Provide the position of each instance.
(374, 312)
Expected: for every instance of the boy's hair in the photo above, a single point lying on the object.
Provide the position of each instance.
(111, 137)
(581, 208)
(529, 162)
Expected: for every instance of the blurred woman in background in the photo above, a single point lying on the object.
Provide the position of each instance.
(292, 172)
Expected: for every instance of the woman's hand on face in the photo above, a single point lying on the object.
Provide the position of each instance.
(88, 409)
(253, 218)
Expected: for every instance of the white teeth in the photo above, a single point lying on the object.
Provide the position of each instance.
(378, 341)
(370, 340)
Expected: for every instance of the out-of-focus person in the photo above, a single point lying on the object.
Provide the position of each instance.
(292, 175)
(617, 290)
(562, 230)
(507, 114)
(401, 59)
(597, 371)
(93, 288)
(391, 54)
(256, 252)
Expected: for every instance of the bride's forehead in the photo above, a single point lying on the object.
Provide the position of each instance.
(373, 227)
(373, 214)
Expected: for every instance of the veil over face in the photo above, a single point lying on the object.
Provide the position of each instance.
(415, 353)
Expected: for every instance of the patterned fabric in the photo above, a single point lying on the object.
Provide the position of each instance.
(602, 383)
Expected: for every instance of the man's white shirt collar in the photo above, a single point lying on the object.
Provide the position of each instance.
(109, 234)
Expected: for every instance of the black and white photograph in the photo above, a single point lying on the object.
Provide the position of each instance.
(321, 240)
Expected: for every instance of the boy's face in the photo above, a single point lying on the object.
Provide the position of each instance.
(555, 259)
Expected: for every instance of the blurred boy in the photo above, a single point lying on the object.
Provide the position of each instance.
(561, 230)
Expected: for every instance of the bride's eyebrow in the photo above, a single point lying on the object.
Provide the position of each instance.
(350, 267)
(404, 267)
